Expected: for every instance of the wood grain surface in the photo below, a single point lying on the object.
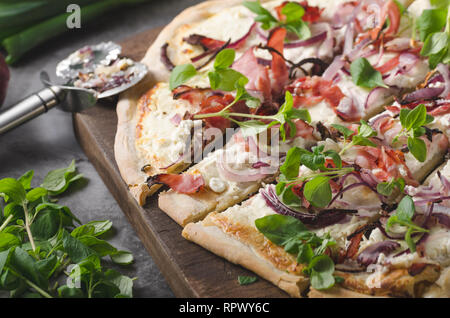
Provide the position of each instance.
(190, 270)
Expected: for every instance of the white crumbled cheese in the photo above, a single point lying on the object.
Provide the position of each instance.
(162, 141)
(217, 185)
(437, 246)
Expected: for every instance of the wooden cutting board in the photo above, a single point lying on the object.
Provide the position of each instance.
(190, 270)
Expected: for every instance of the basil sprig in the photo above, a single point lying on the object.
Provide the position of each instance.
(259, 123)
(317, 189)
(412, 122)
(222, 77)
(309, 248)
(293, 22)
(403, 216)
(436, 39)
(364, 75)
(359, 139)
(40, 239)
(387, 188)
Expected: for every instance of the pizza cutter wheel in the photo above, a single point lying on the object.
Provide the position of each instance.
(69, 97)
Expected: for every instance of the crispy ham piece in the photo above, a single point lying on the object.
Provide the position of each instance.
(181, 183)
(280, 71)
(257, 74)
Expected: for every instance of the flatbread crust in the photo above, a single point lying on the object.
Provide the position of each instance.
(126, 156)
(221, 244)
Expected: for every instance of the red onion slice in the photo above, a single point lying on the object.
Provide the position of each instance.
(332, 70)
(371, 253)
(308, 42)
(443, 69)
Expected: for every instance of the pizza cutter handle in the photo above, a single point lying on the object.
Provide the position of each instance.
(31, 107)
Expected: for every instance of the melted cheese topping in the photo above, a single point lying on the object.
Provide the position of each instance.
(160, 141)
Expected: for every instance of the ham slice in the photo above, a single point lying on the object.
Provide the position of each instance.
(257, 74)
(181, 183)
(280, 71)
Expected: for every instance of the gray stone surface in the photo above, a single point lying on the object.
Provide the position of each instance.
(48, 142)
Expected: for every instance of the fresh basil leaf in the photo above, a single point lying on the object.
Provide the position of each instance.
(318, 191)
(76, 250)
(363, 74)
(9, 281)
(364, 130)
(322, 269)
(431, 21)
(246, 280)
(409, 240)
(14, 190)
(26, 265)
(26, 178)
(57, 181)
(279, 229)
(435, 44)
(416, 117)
(181, 74)
(343, 130)
(46, 225)
(7, 241)
(406, 209)
(291, 165)
(418, 148)
(263, 15)
(228, 79)
(361, 141)
(299, 113)
(36, 194)
(101, 247)
(252, 127)
(305, 254)
(293, 12)
(300, 28)
(335, 157)
(224, 59)
(122, 257)
(214, 80)
(124, 283)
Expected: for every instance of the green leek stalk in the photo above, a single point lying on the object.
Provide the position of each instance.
(19, 44)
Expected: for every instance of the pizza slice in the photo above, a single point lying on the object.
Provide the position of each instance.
(328, 196)
(229, 175)
(407, 252)
(155, 131)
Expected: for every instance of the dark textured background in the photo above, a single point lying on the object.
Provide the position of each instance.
(48, 142)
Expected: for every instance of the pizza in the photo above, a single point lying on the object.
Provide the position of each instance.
(306, 141)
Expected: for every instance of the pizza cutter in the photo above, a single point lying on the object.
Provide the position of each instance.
(91, 73)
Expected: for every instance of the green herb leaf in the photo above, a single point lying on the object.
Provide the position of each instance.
(246, 280)
(418, 148)
(322, 269)
(181, 74)
(57, 181)
(318, 191)
(224, 59)
(363, 74)
(431, 21)
(14, 190)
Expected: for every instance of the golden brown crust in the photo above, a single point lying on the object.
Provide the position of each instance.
(397, 282)
(336, 292)
(246, 254)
